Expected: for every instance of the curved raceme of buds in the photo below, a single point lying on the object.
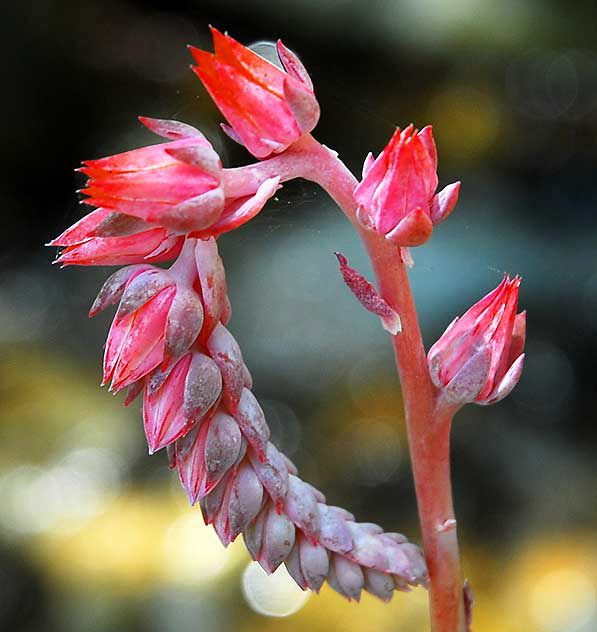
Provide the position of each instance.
(268, 109)
(397, 194)
(148, 198)
(479, 357)
(200, 406)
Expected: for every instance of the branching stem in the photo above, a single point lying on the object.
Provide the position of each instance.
(428, 424)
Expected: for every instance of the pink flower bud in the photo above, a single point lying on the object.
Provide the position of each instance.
(252, 422)
(135, 344)
(157, 320)
(346, 577)
(396, 196)
(268, 109)
(479, 357)
(379, 584)
(190, 389)
(226, 353)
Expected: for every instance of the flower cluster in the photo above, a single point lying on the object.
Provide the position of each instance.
(169, 338)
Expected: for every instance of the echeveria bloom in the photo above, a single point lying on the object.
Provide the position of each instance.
(268, 109)
(397, 194)
(148, 198)
(479, 357)
(175, 185)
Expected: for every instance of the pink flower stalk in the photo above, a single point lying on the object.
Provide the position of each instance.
(268, 109)
(396, 196)
(479, 357)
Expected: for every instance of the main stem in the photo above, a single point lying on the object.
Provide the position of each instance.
(428, 426)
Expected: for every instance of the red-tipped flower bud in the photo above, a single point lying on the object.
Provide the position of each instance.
(479, 357)
(396, 196)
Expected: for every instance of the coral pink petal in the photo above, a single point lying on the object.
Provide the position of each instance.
(444, 202)
(414, 230)
(162, 409)
(81, 230)
(149, 246)
(148, 325)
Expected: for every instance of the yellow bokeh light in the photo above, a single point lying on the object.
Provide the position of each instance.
(563, 600)
(467, 121)
(193, 554)
(275, 595)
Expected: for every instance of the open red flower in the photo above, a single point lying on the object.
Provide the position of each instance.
(175, 185)
(268, 109)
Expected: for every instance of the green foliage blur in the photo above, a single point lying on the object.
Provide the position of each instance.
(94, 534)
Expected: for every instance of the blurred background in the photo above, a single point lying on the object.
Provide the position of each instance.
(97, 536)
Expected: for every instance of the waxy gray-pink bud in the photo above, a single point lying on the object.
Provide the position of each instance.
(203, 386)
(226, 353)
(141, 289)
(273, 474)
(246, 495)
(379, 584)
(113, 288)
(334, 533)
(277, 540)
(252, 422)
(185, 318)
(222, 445)
(346, 577)
(301, 507)
(315, 563)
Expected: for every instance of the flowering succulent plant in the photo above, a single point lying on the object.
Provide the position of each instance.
(170, 338)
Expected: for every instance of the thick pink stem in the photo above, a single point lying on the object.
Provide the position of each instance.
(428, 426)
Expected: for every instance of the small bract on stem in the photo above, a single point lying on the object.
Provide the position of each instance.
(170, 339)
